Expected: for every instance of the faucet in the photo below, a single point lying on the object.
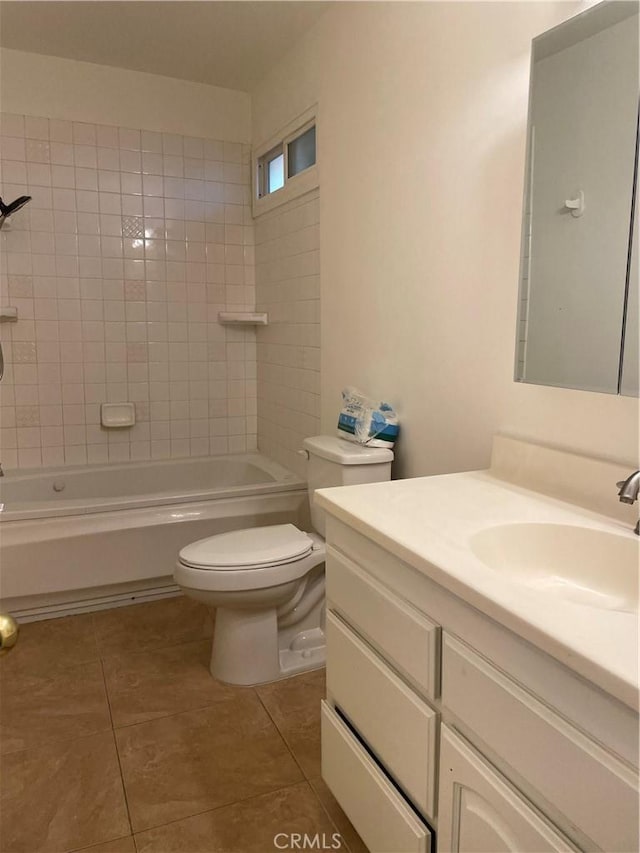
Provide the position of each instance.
(628, 492)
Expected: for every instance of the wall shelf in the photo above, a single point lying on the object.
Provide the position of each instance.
(243, 318)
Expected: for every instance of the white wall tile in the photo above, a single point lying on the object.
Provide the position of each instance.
(287, 359)
(123, 260)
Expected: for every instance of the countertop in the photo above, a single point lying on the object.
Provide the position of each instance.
(428, 521)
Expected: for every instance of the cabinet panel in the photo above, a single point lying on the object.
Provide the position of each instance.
(407, 638)
(566, 767)
(384, 821)
(395, 723)
(480, 812)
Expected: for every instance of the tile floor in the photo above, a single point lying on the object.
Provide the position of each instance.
(114, 738)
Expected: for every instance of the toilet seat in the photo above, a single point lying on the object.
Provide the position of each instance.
(289, 556)
(253, 548)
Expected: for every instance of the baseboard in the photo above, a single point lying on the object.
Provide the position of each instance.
(75, 602)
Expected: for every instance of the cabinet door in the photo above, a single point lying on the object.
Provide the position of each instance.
(480, 812)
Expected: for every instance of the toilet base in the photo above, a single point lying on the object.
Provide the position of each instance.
(308, 651)
(249, 648)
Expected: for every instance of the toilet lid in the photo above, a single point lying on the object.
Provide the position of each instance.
(254, 547)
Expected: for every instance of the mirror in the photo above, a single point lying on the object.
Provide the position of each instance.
(578, 309)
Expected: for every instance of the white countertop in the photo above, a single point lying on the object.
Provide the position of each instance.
(428, 521)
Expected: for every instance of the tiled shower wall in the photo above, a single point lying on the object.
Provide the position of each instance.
(288, 287)
(133, 243)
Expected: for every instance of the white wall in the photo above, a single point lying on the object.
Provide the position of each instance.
(31, 84)
(421, 145)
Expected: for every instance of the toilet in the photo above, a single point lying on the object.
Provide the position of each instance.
(267, 583)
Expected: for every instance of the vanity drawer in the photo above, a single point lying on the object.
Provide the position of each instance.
(407, 638)
(382, 818)
(569, 770)
(398, 727)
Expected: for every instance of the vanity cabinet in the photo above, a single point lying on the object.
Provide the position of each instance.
(442, 724)
(481, 811)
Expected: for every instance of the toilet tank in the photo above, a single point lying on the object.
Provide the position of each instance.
(334, 461)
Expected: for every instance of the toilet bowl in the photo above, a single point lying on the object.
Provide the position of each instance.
(267, 583)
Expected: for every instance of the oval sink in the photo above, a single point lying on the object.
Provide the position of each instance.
(580, 564)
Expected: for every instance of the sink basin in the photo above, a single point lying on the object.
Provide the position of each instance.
(584, 565)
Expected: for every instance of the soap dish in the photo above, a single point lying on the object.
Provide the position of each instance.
(117, 415)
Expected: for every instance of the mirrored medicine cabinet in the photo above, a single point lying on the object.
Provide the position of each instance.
(579, 275)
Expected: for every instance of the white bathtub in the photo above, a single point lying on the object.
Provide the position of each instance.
(74, 539)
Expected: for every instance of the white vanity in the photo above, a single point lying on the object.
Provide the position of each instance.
(472, 696)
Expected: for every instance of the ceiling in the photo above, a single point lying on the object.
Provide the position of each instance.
(230, 43)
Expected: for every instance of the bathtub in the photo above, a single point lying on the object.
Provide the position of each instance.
(85, 538)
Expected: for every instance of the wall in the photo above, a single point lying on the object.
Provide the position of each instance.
(82, 91)
(288, 354)
(133, 242)
(421, 153)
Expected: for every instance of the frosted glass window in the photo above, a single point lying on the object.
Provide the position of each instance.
(301, 152)
(275, 179)
(280, 165)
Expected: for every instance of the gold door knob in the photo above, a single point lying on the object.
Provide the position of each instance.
(8, 632)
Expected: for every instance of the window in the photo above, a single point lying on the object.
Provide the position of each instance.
(301, 152)
(285, 161)
(272, 171)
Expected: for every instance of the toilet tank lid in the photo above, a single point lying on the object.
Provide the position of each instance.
(345, 452)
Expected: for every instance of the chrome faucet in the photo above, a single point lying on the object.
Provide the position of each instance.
(628, 492)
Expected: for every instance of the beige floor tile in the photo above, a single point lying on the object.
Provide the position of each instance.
(175, 767)
(294, 705)
(247, 827)
(38, 708)
(154, 684)
(52, 645)
(63, 796)
(120, 845)
(153, 625)
(346, 829)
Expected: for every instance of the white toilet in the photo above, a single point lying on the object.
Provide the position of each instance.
(267, 583)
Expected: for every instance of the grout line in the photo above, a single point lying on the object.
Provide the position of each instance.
(346, 847)
(100, 843)
(222, 806)
(165, 716)
(128, 654)
(55, 742)
(115, 743)
(106, 692)
(284, 740)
